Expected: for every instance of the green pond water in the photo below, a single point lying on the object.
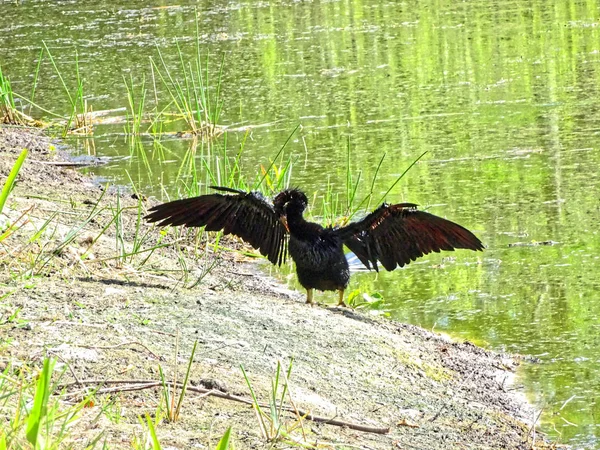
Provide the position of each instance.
(504, 97)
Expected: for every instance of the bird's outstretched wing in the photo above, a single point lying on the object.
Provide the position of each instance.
(248, 215)
(398, 234)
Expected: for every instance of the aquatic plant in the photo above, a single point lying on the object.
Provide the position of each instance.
(9, 113)
(80, 118)
(192, 96)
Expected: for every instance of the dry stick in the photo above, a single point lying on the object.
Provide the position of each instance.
(11, 228)
(63, 163)
(176, 370)
(66, 322)
(159, 332)
(107, 347)
(67, 364)
(135, 385)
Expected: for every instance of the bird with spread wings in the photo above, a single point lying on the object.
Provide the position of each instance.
(392, 235)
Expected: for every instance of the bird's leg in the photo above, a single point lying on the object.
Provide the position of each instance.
(341, 298)
(309, 296)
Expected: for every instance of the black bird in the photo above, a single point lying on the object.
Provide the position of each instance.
(393, 235)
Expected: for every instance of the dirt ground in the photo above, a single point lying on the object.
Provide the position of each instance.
(111, 319)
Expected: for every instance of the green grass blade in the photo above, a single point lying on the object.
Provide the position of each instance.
(166, 391)
(255, 402)
(41, 108)
(276, 156)
(45, 225)
(401, 176)
(370, 195)
(224, 441)
(40, 402)
(218, 101)
(58, 72)
(155, 442)
(10, 181)
(35, 78)
(185, 381)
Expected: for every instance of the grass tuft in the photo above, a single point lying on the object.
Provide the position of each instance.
(173, 410)
(274, 424)
(34, 418)
(136, 105)
(191, 95)
(9, 113)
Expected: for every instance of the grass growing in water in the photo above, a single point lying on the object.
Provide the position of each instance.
(136, 106)
(79, 120)
(191, 96)
(338, 212)
(8, 111)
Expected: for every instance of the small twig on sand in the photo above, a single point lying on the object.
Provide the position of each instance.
(136, 385)
(165, 333)
(122, 344)
(67, 364)
(79, 324)
(66, 163)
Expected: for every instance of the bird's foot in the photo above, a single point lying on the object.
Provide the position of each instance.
(309, 297)
(341, 301)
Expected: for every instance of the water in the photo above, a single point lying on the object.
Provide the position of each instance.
(504, 96)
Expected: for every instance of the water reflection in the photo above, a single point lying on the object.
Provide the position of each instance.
(503, 95)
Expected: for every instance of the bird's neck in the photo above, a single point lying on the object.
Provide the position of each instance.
(299, 227)
(295, 220)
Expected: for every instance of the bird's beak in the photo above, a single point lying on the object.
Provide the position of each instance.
(283, 221)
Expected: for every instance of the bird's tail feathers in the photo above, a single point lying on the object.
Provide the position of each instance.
(355, 264)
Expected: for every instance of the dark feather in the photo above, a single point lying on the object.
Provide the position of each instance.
(247, 215)
(227, 189)
(395, 235)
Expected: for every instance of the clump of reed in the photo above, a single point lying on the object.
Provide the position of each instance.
(191, 95)
(9, 113)
(78, 120)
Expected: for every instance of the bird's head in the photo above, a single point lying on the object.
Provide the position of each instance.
(290, 201)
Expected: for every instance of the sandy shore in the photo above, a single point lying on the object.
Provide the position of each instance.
(111, 318)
